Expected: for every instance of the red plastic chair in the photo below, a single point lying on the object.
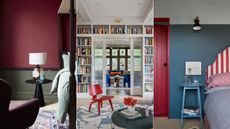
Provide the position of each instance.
(94, 91)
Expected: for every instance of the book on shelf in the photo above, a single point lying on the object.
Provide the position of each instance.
(83, 60)
(83, 69)
(84, 30)
(84, 41)
(83, 79)
(148, 60)
(148, 69)
(82, 88)
(148, 50)
(134, 30)
(148, 41)
(131, 115)
(84, 51)
(148, 29)
(100, 30)
(117, 30)
(191, 110)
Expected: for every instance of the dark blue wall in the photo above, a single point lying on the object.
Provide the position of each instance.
(189, 45)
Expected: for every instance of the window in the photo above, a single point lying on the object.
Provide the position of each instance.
(117, 58)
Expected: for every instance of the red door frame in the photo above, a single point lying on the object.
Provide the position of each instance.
(166, 20)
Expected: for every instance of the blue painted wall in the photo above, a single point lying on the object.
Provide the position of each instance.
(189, 45)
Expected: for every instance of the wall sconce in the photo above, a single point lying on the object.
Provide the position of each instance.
(196, 25)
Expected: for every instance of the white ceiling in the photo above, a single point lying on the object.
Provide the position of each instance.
(184, 11)
(105, 11)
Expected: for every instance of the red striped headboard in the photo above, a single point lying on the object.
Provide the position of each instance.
(221, 63)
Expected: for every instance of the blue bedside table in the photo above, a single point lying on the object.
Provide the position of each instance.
(194, 115)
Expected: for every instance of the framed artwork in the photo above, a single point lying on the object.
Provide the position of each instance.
(192, 68)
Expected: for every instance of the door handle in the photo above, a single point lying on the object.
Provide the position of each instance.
(165, 64)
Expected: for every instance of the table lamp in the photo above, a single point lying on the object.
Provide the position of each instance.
(38, 59)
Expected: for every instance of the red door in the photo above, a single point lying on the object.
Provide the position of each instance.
(161, 68)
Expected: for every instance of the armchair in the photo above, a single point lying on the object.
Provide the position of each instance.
(16, 116)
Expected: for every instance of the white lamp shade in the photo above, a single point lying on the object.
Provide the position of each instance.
(37, 58)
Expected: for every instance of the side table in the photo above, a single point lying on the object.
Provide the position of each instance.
(38, 89)
(197, 88)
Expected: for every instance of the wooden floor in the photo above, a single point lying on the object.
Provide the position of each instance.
(118, 92)
(165, 123)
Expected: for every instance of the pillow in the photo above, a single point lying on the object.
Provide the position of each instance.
(214, 89)
(219, 80)
(65, 58)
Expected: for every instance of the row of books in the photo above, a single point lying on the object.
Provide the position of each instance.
(82, 88)
(84, 41)
(149, 78)
(83, 69)
(84, 51)
(148, 41)
(148, 50)
(84, 30)
(148, 60)
(84, 60)
(148, 30)
(135, 30)
(118, 30)
(101, 30)
(148, 69)
(83, 79)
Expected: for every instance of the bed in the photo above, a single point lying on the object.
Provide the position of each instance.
(217, 105)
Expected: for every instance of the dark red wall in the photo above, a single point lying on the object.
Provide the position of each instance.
(28, 26)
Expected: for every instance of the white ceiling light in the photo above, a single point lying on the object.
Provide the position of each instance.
(117, 20)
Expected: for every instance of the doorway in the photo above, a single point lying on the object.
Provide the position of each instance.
(118, 65)
(161, 73)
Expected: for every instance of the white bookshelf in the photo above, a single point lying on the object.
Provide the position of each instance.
(93, 31)
(148, 63)
(84, 61)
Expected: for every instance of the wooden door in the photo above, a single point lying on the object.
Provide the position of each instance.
(161, 68)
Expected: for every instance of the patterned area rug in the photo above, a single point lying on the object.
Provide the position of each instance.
(85, 120)
(91, 120)
(46, 119)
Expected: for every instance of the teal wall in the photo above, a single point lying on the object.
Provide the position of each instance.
(189, 45)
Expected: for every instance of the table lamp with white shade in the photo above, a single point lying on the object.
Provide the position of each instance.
(38, 59)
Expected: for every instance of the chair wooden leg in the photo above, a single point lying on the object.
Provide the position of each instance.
(99, 108)
(90, 106)
(101, 103)
(111, 104)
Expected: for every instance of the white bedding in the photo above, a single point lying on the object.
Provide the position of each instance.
(60, 86)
